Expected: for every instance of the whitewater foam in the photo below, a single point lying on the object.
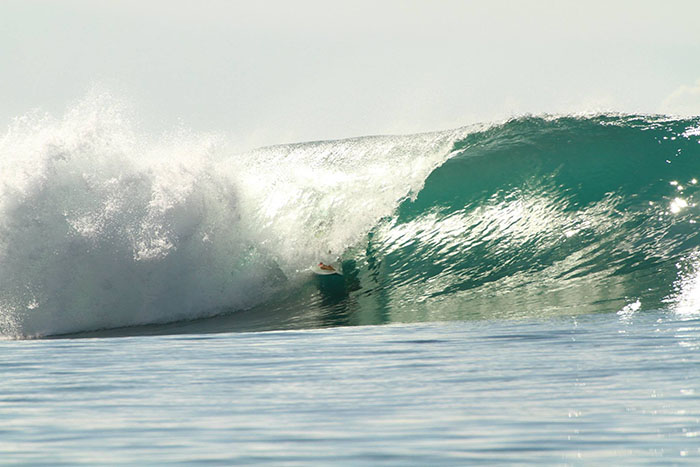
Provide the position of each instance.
(103, 227)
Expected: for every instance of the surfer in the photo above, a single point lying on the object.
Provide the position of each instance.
(325, 267)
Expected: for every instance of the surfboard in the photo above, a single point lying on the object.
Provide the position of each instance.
(326, 272)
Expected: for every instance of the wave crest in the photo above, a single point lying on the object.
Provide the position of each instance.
(103, 227)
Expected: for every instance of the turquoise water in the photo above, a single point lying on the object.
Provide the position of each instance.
(104, 228)
(599, 389)
(517, 292)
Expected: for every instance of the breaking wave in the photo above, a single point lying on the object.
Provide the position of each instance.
(102, 227)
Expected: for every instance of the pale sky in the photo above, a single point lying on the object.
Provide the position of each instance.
(268, 72)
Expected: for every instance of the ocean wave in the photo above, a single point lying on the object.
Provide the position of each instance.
(102, 227)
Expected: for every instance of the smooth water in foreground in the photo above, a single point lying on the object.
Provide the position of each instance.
(596, 389)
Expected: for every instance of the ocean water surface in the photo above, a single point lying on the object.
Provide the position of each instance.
(516, 292)
(600, 390)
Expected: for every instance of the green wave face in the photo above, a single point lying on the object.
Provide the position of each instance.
(542, 217)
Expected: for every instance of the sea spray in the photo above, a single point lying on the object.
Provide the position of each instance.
(103, 227)
(99, 229)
